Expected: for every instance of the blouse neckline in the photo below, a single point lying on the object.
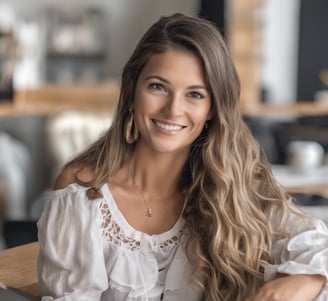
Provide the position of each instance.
(175, 230)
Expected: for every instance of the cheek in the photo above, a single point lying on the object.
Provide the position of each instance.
(137, 97)
(144, 102)
(201, 116)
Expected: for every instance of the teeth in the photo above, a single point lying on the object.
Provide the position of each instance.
(168, 127)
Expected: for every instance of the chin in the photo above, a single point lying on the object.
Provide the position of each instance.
(167, 149)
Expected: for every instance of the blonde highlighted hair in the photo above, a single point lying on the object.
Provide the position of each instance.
(228, 184)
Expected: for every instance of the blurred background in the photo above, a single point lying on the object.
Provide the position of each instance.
(60, 65)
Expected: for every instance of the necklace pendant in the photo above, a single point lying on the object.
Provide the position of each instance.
(149, 212)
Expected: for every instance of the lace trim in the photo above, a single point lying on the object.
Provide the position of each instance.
(113, 233)
(173, 241)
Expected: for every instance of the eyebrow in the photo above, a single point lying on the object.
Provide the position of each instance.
(168, 82)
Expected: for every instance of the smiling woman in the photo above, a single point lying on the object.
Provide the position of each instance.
(176, 200)
(171, 103)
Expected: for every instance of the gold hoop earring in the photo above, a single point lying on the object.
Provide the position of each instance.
(131, 131)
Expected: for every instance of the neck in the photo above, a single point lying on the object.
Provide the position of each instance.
(156, 174)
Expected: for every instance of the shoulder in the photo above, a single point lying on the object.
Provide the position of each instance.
(70, 202)
(70, 174)
(67, 214)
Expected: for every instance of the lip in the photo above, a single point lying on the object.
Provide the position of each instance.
(167, 127)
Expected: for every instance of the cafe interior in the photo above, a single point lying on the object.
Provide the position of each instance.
(60, 65)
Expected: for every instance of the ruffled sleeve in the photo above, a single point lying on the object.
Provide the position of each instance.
(71, 262)
(305, 251)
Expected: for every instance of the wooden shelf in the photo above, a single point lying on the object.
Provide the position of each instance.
(52, 98)
(296, 109)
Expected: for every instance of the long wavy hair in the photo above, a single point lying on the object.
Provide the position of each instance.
(229, 187)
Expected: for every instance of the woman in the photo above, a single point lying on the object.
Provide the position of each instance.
(176, 201)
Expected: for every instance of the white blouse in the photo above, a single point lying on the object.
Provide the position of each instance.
(88, 251)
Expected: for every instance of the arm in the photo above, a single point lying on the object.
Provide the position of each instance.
(302, 287)
(300, 263)
(71, 262)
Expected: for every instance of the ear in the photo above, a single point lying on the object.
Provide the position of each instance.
(131, 108)
(210, 115)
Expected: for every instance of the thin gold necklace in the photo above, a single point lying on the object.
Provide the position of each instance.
(149, 212)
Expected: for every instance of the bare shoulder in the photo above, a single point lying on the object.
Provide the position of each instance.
(66, 177)
(69, 174)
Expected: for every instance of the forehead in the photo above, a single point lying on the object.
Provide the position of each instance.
(175, 64)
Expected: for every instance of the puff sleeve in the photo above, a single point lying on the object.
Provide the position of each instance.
(305, 251)
(71, 263)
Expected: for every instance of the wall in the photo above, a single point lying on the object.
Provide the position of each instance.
(125, 23)
(129, 19)
(313, 49)
(280, 49)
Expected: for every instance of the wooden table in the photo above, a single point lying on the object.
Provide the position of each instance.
(315, 182)
(18, 268)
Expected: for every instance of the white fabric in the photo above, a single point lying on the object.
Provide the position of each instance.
(304, 252)
(88, 251)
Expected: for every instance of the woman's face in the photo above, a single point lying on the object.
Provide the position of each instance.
(172, 102)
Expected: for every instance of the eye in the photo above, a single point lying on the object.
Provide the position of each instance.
(157, 86)
(195, 95)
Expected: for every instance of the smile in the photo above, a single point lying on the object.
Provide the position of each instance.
(167, 126)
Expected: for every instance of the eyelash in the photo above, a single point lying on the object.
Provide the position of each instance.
(157, 86)
(161, 87)
(196, 95)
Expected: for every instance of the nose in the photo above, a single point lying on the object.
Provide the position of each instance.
(174, 105)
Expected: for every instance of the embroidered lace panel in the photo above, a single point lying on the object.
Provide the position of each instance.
(113, 233)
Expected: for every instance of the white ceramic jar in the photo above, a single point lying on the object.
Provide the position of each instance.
(305, 156)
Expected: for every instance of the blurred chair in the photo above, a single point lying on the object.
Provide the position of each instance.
(305, 128)
(263, 130)
(15, 165)
(314, 120)
(70, 132)
(23, 173)
(15, 161)
(67, 134)
(274, 135)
